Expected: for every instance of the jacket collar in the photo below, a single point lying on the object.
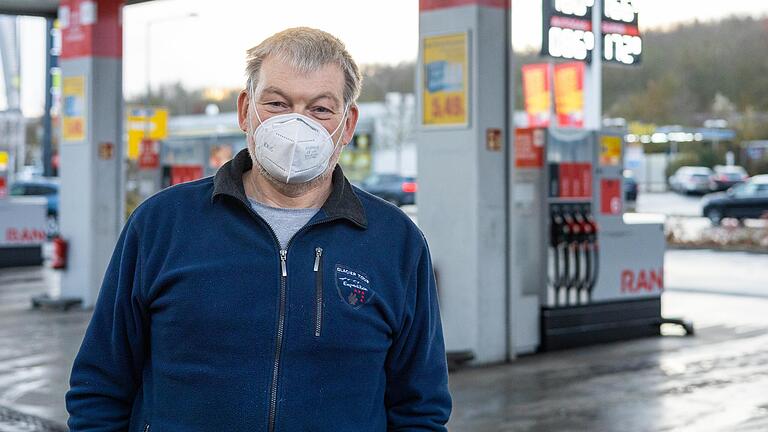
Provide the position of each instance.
(342, 203)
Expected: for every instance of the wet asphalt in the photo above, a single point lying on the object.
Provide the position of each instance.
(714, 381)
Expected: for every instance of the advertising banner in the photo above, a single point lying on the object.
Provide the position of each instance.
(537, 94)
(529, 148)
(73, 119)
(446, 89)
(569, 94)
(145, 123)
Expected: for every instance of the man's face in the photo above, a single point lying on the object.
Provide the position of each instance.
(283, 90)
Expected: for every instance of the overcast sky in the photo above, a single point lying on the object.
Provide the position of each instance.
(209, 50)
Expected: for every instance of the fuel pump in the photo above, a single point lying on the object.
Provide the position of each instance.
(586, 300)
(558, 233)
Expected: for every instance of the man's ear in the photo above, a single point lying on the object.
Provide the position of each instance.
(242, 110)
(350, 124)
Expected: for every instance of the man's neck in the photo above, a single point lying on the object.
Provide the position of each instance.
(260, 189)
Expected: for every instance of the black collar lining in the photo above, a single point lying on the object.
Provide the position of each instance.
(342, 203)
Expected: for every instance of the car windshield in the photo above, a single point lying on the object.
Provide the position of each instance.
(745, 190)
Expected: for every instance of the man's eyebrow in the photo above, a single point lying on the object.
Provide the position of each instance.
(324, 95)
(328, 95)
(273, 89)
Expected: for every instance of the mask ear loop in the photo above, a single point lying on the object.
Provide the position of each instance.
(336, 144)
(252, 104)
(343, 120)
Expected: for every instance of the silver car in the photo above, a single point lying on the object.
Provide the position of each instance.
(691, 179)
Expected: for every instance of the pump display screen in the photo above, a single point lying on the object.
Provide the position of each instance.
(567, 29)
(621, 36)
(568, 33)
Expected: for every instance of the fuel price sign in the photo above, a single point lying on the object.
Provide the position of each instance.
(568, 33)
(621, 36)
(567, 29)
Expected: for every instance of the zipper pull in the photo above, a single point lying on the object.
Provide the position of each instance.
(283, 254)
(318, 254)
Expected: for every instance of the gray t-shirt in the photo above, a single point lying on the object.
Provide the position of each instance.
(285, 222)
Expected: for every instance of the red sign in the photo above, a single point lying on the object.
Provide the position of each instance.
(185, 173)
(91, 28)
(610, 196)
(149, 156)
(569, 94)
(529, 148)
(537, 94)
(427, 5)
(643, 280)
(575, 180)
(3, 187)
(584, 178)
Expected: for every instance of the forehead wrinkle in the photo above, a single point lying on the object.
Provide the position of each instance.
(312, 98)
(281, 77)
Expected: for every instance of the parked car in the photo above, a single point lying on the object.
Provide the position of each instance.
(397, 189)
(40, 186)
(630, 186)
(746, 200)
(691, 179)
(727, 176)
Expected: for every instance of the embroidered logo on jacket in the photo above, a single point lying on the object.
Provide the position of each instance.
(353, 287)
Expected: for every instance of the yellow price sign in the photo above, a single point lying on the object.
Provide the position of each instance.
(150, 123)
(610, 150)
(445, 68)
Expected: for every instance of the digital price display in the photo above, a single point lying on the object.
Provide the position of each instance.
(567, 29)
(621, 36)
(568, 33)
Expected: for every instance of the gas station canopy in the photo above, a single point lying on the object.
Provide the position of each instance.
(37, 7)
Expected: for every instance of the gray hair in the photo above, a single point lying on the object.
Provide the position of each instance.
(307, 50)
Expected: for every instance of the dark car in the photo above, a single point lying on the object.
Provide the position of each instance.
(630, 186)
(397, 189)
(46, 187)
(727, 176)
(747, 200)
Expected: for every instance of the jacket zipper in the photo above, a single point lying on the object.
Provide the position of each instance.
(318, 291)
(280, 326)
(281, 318)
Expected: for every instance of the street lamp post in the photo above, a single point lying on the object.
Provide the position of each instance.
(149, 182)
(147, 65)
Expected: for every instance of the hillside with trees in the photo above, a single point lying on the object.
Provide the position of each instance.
(688, 74)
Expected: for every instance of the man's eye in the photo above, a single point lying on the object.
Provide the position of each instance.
(322, 113)
(275, 104)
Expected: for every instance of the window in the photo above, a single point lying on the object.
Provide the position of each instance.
(747, 190)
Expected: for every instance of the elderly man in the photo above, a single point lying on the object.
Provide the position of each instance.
(274, 296)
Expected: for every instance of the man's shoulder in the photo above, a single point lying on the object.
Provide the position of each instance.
(383, 215)
(181, 197)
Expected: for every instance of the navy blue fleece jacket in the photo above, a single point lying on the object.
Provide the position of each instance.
(204, 324)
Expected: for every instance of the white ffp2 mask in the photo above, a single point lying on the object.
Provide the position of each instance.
(294, 148)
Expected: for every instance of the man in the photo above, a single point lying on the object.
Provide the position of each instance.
(274, 296)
